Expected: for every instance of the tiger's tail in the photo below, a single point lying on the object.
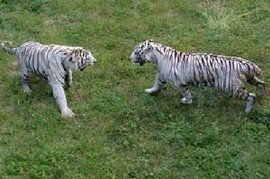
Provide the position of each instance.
(9, 50)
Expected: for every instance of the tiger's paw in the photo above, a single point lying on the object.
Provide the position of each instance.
(186, 101)
(250, 103)
(261, 90)
(67, 113)
(27, 90)
(151, 90)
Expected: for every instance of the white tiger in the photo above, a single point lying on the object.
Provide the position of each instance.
(229, 74)
(52, 62)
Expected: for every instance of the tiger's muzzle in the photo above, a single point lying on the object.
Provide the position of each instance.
(136, 59)
(92, 62)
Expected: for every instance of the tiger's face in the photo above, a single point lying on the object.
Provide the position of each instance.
(86, 60)
(141, 52)
(82, 58)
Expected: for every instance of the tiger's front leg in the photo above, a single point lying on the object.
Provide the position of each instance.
(68, 78)
(187, 96)
(158, 85)
(60, 97)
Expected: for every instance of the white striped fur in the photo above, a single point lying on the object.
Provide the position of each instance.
(52, 62)
(227, 73)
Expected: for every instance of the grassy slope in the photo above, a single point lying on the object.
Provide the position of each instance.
(120, 131)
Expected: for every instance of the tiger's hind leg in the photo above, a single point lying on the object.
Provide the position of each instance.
(259, 85)
(187, 96)
(25, 82)
(158, 85)
(24, 75)
(68, 79)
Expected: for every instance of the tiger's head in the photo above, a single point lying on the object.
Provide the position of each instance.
(81, 58)
(142, 52)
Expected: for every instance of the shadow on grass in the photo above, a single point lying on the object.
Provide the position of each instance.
(260, 118)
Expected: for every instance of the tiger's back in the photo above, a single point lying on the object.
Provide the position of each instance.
(217, 70)
(40, 59)
(43, 60)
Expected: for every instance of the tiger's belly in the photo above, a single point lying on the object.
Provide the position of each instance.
(176, 79)
(48, 74)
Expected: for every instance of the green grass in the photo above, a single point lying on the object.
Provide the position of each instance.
(120, 131)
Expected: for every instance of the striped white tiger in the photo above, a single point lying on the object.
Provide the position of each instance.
(180, 69)
(52, 62)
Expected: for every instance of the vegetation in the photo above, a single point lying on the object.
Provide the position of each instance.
(119, 131)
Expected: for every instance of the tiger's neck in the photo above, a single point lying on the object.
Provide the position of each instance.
(67, 65)
(159, 58)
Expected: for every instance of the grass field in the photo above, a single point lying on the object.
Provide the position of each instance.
(119, 131)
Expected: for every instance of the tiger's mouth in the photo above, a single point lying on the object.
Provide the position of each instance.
(140, 61)
(82, 68)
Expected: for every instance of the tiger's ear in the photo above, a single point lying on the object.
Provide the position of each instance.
(75, 53)
(148, 48)
(78, 50)
(148, 41)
